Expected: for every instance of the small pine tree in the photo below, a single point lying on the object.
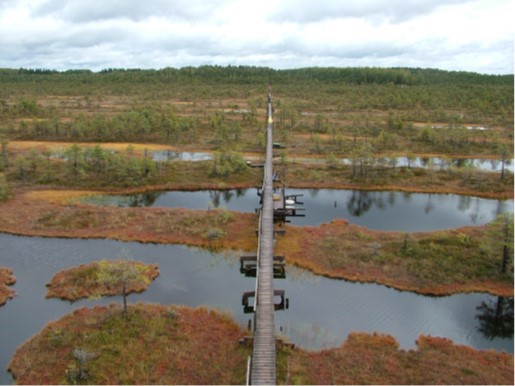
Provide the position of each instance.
(5, 191)
(119, 276)
(3, 149)
(500, 240)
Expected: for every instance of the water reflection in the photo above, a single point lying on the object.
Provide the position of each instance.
(494, 165)
(170, 155)
(322, 311)
(496, 318)
(220, 198)
(396, 211)
(360, 202)
(124, 200)
(143, 199)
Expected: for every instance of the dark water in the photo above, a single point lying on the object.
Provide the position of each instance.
(395, 211)
(322, 311)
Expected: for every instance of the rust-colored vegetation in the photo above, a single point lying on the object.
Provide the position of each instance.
(85, 281)
(435, 263)
(419, 180)
(6, 279)
(176, 345)
(376, 359)
(40, 215)
(153, 345)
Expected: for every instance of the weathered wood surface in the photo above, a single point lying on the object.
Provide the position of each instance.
(263, 368)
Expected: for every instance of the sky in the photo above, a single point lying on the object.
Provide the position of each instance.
(456, 35)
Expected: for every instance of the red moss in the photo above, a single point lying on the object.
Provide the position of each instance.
(337, 250)
(178, 345)
(345, 251)
(376, 359)
(25, 216)
(154, 345)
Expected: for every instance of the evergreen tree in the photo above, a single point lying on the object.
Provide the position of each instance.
(5, 191)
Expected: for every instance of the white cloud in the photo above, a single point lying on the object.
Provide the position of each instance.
(471, 35)
(393, 10)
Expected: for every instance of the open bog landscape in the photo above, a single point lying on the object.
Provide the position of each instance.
(393, 250)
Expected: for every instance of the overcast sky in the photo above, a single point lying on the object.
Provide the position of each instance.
(465, 35)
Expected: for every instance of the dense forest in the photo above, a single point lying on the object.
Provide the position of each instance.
(260, 75)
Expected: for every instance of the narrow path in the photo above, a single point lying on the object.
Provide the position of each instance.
(263, 365)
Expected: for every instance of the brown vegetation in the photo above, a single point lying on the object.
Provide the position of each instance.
(153, 345)
(177, 345)
(376, 359)
(29, 214)
(6, 279)
(436, 263)
(362, 119)
(439, 263)
(307, 172)
(479, 184)
(85, 281)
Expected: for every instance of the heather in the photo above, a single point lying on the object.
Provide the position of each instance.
(102, 278)
(157, 344)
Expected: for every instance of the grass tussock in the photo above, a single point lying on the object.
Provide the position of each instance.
(154, 345)
(29, 214)
(58, 197)
(376, 359)
(436, 263)
(6, 279)
(86, 280)
(403, 179)
(158, 344)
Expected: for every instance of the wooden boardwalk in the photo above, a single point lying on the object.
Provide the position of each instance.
(263, 364)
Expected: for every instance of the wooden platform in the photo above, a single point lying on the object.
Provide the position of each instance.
(249, 265)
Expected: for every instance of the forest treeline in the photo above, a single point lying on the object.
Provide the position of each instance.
(317, 110)
(427, 94)
(260, 75)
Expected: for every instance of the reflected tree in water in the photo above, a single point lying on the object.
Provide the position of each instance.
(464, 203)
(144, 199)
(391, 198)
(359, 203)
(240, 192)
(406, 196)
(496, 318)
(378, 199)
(494, 163)
(215, 196)
(504, 159)
(424, 161)
(227, 196)
(172, 155)
(429, 205)
(462, 162)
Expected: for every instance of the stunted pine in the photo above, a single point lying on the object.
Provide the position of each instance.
(120, 275)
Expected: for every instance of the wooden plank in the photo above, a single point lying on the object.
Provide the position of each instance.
(263, 369)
